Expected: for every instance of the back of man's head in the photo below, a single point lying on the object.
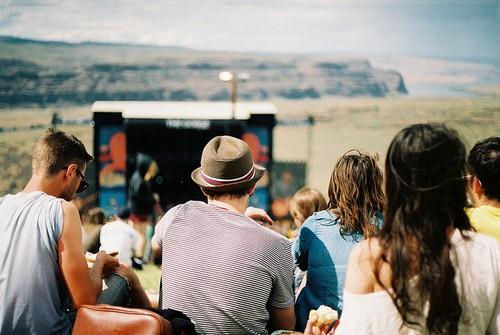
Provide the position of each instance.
(56, 150)
(484, 163)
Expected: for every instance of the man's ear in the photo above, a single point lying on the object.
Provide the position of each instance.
(251, 191)
(477, 187)
(69, 171)
(205, 194)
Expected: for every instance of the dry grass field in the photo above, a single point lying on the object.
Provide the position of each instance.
(370, 124)
(341, 124)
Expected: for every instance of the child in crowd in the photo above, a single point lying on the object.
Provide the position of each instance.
(303, 204)
(325, 240)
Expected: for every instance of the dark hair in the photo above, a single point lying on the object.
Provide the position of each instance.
(484, 163)
(56, 150)
(355, 192)
(96, 216)
(239, 193)
(123, 213)
(426, 195)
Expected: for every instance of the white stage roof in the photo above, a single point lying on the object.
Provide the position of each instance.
(199, 110)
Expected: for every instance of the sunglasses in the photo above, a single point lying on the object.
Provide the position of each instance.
(83, 182)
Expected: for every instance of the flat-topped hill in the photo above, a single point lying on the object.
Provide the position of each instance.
(42, 72)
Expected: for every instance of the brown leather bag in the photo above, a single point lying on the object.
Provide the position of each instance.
(107, 319)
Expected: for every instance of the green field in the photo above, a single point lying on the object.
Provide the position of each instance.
(149, 277)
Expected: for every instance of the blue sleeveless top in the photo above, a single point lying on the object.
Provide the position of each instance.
(32, 291)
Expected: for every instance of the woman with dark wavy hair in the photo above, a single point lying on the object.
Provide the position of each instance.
(426, 272)
(327, 237)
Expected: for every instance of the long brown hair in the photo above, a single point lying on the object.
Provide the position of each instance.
(355, 193)
(426, 196)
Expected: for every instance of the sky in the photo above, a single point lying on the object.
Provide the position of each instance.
(436, 28)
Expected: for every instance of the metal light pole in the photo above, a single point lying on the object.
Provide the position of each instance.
(233, 78)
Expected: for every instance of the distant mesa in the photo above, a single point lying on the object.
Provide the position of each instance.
(332, 66)
(39, 73)
(205, 66)
(123, 67)
(297, 93)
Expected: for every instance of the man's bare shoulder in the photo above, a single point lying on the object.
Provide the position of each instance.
(71, 219)
(69, 208)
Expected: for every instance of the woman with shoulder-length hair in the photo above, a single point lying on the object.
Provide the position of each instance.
(426, 272)
(327, 237)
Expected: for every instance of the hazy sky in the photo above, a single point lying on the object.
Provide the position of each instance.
(426, 27)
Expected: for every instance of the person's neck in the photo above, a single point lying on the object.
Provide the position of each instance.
(42, 183)
(234, 204)
(484, 201)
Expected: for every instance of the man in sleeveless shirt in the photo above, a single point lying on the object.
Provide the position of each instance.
(225, 271)
(43, 270)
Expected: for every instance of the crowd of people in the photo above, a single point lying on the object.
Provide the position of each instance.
(411, 249)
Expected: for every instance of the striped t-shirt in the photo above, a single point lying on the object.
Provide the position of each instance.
(222, 269)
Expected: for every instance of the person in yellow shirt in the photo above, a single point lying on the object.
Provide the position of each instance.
(484, 186)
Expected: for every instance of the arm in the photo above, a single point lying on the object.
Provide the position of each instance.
(160, 229)
(494, 323)
(84, 285)
(138, 297)
(494, 326)
(301, 245)
(156, 247)
(282, 299)
(281, 318)
(157, 238)
(259, 215)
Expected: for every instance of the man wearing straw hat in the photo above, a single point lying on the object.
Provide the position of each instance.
(224, 270)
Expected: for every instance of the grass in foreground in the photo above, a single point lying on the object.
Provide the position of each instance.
(150, 277)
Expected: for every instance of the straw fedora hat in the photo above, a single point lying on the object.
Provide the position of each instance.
(226, 165)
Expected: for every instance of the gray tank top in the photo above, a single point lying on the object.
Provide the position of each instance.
(33, 294)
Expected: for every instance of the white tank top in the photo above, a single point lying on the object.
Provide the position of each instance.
(477, 266)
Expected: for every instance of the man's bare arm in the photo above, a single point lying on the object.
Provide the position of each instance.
(155, 247)
(84, 285)
(281, 318)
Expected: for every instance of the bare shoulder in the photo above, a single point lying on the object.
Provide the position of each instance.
(69, 208)
(367, 251)
(71, 217)
(360, 277)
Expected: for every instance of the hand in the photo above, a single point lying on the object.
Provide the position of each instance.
(138, 298)
(313, 329)
(127, 272)
(258, 214)
(108, 263)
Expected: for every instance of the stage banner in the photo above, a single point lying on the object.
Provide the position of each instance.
(112, 157)
(259, 141)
